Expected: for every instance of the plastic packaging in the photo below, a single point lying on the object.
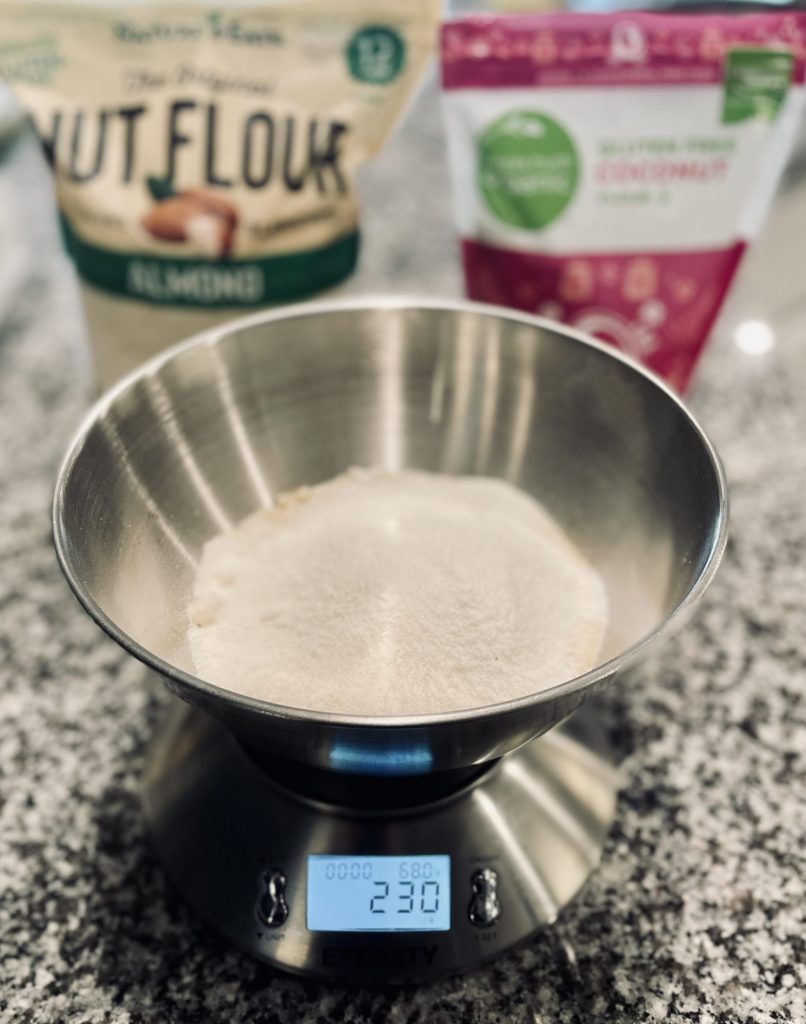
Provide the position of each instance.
(610, 170)
(205, 155)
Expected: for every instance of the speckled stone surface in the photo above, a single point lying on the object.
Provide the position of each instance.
(697, 913)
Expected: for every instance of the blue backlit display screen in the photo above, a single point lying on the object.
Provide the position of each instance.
(379, 894)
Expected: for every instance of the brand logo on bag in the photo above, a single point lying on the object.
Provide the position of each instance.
(224, 29)
(627, 43)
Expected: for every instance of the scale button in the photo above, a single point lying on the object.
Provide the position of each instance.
(272, 907)
(485, 907)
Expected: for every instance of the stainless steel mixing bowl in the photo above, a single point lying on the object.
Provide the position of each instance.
(201, 436)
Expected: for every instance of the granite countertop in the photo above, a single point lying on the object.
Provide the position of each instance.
(696, 913)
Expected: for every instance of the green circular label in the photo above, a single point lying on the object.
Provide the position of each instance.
(376, 54)
(528, 169)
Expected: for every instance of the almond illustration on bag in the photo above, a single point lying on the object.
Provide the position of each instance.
(205, 222)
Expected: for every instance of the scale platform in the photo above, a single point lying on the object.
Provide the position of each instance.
(378, 880)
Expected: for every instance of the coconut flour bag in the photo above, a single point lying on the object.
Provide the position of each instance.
(610, 169)
(205, 156)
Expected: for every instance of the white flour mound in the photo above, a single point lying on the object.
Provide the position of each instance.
(396, 593)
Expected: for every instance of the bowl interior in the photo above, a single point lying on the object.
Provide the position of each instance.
(201, 438)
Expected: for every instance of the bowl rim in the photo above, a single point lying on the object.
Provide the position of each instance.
(252, 705)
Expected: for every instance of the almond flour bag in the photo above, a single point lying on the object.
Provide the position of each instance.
(205, 156)
(610, 169)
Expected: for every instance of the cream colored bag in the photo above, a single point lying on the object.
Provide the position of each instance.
(204, 157)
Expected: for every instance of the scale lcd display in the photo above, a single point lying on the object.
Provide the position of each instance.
(379, 894)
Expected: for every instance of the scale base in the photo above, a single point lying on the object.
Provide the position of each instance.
(236, 845)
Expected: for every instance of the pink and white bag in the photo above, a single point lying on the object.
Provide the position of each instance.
(611, 169)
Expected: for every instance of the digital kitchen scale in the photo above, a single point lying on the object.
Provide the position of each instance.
(383, 848)
(340, 876)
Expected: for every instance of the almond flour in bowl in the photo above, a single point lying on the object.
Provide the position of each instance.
(393, 594)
